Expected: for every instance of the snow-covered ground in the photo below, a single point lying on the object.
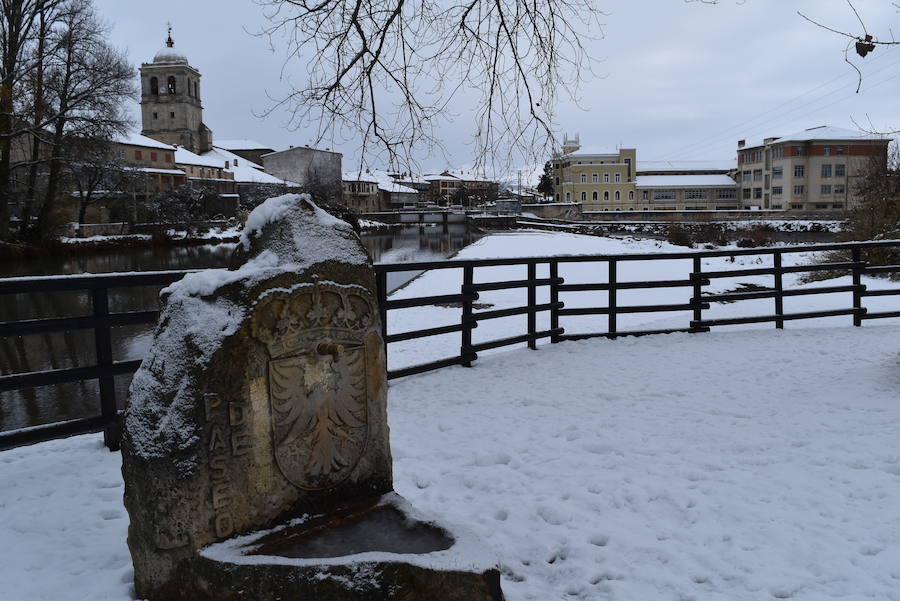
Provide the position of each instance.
(743, 464)
(751, 465)
(525, 243)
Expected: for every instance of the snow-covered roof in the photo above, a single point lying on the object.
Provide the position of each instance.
(162, 171)
(684, 181)
(239, 144)
(698, 165)
(246, 171)
(183, 156)
(433, 177)
(169, 55)
(136, 139)
(824, 133)
(382, 178)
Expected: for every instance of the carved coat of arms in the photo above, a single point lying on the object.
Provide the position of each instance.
(317, 380)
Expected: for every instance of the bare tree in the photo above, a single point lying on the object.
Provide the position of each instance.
(95, 172)
(87, 82)
(393, 70)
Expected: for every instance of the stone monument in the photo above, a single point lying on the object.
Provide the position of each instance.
(256, 453)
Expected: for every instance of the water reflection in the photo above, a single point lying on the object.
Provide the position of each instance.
(61, 350)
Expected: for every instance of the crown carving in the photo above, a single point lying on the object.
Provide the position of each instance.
(284, 318)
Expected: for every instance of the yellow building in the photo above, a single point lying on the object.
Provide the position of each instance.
(598, 181)
(613, 181)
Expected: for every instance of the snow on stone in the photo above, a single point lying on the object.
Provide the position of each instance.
(183, 156)
(240, 144)
(752, 466)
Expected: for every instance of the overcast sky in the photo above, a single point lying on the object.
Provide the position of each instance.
(680, 80)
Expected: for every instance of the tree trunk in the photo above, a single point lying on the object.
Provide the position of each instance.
(37, 117)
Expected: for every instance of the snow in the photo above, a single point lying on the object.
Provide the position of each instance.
(136, 139)
(246, 171)
(238, 144)
(467, 552)
(657, 166)
(183, 156)
(684, 181)
(731, 465)
(161, 171)
(824, 133)
(382, 178)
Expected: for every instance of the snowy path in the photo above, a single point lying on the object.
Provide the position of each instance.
(750, 465)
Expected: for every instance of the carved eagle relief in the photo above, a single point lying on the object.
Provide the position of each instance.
(317, 380)
(319, 415)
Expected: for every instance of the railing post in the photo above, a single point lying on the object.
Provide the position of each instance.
(698, 292)
(532, 303)
(779, 288)
(465, 346)
(612, 296)
(103, 346)
(857, 283)
(381, 290)
(554, 298)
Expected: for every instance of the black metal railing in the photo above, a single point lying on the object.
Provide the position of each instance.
(102, 320)
(104, 370)
(695, 279)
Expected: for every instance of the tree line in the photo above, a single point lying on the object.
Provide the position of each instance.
(63, 89)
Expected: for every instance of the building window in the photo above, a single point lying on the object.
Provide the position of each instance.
(155, 115)
(827, 151)
(757, 193)
(631, 195)
(840, 170)
(584, 178)
(839, 189)
(172, 114)
(798, 190)
(826, 188)
(595, 178)
(778, 152)
(799, 171)
(726, 194)
(777, 190)
(557, 181)
(568, 197)
(777, 172)
(606, 195)
(618, 194)
(120, 153)
(695, 194)
(171, 84)
(594, 195)
(747, 175)
(839, 206)
(757, 175)
(606, 178)
(664, 195)
(583, 196)
(747, 193)
(154, 86)
(645, 195)
(138, 155)
(821, 206)
(153, 156)
(826, 170)
(796, 206)
(776, 206)
(557, 198)
(618, 178)
(169, 159)
(839, 150)
(798, 151)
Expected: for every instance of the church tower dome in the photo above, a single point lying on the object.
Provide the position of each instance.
(171, 111)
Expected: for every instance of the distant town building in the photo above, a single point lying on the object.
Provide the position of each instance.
(813, 170)
(249, 150)
(460, 187)
(317, 171)
(372, 190)
(614, 181)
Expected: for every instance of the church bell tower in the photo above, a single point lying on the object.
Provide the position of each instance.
(171, 111)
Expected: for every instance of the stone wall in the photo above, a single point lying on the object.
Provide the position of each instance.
(318, 171)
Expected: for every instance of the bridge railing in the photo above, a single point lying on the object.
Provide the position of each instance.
(101, 320)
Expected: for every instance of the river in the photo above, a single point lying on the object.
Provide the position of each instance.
(75, 349)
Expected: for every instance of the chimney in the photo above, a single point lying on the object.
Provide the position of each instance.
(742, 143)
